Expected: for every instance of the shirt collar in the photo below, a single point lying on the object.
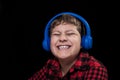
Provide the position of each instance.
(80, 64)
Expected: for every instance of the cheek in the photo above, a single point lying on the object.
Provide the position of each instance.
(76, 46)
(53, 47)
(53, 42)
(76, 40)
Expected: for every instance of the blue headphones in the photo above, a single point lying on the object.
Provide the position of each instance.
(86, 39)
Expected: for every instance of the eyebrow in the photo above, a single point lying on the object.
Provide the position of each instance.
(65, 31)
(70, 31)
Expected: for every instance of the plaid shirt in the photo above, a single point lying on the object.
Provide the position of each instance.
(85, 68)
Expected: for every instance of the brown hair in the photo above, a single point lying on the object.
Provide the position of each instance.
(65, 18)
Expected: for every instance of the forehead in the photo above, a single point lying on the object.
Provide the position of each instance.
(65, 27)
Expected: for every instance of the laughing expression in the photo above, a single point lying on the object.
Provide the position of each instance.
(65, 41)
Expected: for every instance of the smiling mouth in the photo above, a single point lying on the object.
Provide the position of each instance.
(63, 47)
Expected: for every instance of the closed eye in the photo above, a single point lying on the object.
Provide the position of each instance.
(55, 34)
(70, 34)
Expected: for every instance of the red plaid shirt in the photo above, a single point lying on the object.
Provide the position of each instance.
(85, 68)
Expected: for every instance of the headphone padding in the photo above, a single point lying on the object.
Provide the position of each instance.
(86, 42)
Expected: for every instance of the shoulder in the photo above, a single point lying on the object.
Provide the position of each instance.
(41, 73)
(96, 65)
(91, 61)
(97, 70)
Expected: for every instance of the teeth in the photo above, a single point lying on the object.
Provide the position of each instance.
(63, 47)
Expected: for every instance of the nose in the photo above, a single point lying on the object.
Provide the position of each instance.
(63, 38)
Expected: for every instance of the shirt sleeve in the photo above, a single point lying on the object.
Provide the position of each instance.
(96, 73)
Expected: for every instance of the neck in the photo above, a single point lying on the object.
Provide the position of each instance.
(66, 65)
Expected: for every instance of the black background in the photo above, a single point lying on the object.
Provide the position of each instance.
(23, 23)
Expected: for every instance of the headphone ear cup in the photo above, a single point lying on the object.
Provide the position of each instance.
(86, 42)
(46, 44)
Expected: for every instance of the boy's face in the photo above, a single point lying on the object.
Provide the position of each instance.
(65, 41)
